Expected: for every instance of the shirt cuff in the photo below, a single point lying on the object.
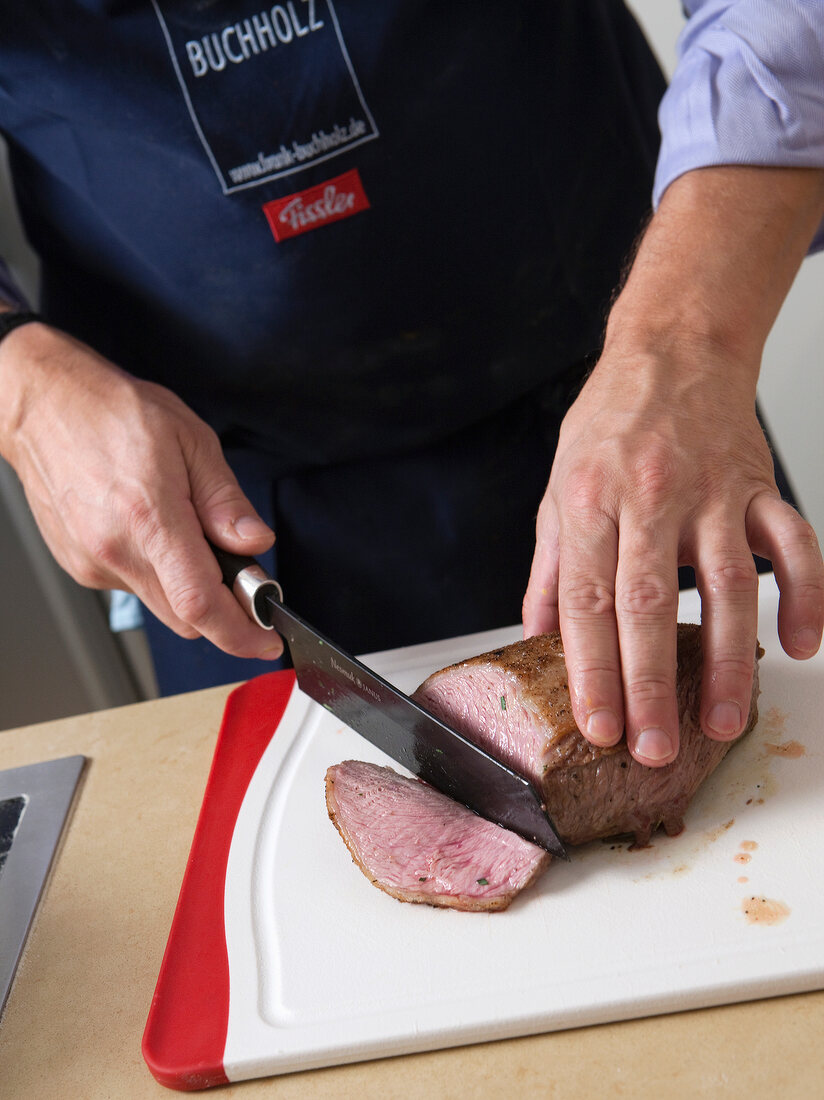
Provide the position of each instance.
(748, 89)
(125, 611)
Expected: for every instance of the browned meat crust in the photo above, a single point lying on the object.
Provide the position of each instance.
(515, 701)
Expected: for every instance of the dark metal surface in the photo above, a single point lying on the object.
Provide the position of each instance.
(409, 734)
(35, 802)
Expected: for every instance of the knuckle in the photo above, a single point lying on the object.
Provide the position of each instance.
(141, 512)
(654, 477)
(584, 495)
(807, 535)
(587, 598)
(734, 665)
(598, 671)
(106, 550)
(648, 596)
(190, 604)
(103, 556)
(736, 574)
(85, 569)
(651, 688)
(205, 441)
(144, 524)
(801, 534)
(129, 517)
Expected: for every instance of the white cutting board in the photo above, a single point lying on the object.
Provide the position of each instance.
(324, 968)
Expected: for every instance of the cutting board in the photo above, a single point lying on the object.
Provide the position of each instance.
(282, 956)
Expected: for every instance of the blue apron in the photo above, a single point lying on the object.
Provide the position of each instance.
(370, 244)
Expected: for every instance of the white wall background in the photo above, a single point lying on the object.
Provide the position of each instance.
(791, 389)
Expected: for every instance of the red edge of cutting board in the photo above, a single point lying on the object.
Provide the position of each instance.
(185, 1034)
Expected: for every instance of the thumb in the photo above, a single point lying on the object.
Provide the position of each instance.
(225, 512)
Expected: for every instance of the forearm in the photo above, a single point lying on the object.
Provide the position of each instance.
(717, 261)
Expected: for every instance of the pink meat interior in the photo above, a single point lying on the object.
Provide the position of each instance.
(420, 845)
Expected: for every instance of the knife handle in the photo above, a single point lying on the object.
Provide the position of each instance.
(250, 583)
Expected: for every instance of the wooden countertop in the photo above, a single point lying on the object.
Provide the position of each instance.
(75, 1017)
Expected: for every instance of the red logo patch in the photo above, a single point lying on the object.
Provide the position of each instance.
(316, 206)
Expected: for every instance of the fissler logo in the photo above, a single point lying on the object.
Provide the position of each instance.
(316, 206)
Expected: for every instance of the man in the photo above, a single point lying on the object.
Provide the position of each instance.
(372, 251)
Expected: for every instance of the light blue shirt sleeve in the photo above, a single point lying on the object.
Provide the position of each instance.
(125, 612)
(748, 89)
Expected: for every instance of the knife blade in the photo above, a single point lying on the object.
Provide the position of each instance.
(389, 719)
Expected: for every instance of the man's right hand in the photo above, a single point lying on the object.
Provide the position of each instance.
(124, 481)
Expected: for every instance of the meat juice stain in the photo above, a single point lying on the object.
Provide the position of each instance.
(750, 778)
(790, 749)
(774, 722)
(759, 910)
(711, 835)
(747, 847)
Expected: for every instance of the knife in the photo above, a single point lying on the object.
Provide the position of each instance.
(392, 721)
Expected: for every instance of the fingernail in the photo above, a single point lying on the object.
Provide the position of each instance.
(603, 728)
(250, 527)
(653, 744)
(806, 641)
(725, 718)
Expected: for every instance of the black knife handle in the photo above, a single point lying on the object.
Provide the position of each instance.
(250, 583)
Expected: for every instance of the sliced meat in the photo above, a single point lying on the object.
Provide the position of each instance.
(515, 702)
(418, 845)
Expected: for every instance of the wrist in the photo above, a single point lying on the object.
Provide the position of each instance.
(657, 351)
(717, 260)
